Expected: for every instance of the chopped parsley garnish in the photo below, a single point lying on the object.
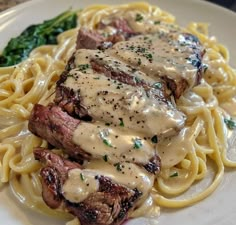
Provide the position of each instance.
(137, 80)
(157, 85)
(157, 22)
(138, 17)
(118, 166)
(149, 56)
(105, 158)
(83, 67)
(107, 124)
(154, 139)
(103, 135)
(142, 50)
(175, 174)
(70, 75)
(137, 143)
(131, 47)
(230, 123)
(81, 176)
(96, 78)
(139, 61)
(107, 142)
(121, 122)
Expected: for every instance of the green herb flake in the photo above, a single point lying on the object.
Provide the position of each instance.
(131, 47)
(121, 122)
(137, 143)
(70, 75)
(107, 143)
(96, 78)
(175, 174)
(157, 22)
(82, 177)
(142, 50)
(230, 123)
(83, 67)
(139, 61)
(137, 80)
(154, 139)
(105, 158)
(157, 85)
(118, 166)
(138, 17)
(107, 124)
(149, 56)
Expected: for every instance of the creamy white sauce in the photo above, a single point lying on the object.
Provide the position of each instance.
(81, 183)
(230, 107)
(114, 144)
(158, 55)
(125, 117)
(173, 150)
(110, 101)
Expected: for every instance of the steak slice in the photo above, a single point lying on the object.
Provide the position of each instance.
(54, 175)
(174, 57)
(57, 127)
(109, 205)
(93, 39)
(106, 89)
(88, 39)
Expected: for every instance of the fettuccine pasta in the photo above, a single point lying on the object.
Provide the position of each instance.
(206, 107)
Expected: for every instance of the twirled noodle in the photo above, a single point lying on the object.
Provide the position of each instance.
(206, 106)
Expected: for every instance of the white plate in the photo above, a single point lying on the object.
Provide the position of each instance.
(219, 208)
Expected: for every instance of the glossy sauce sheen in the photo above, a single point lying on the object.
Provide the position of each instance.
(125, 118)
(81, 183)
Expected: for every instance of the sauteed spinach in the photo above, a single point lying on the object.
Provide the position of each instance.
(19, 48)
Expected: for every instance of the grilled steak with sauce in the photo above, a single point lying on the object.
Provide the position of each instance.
(57, 127)
(113, 103)
(108, 205)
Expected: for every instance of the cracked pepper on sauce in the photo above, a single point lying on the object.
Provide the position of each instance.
(129, 126)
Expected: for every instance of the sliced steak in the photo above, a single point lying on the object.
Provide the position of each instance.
(109, 205)
(95, 39)
(173, 57)
(57, 127)
(88, 39)
(106, 89)
(113, 102)
(54, 175)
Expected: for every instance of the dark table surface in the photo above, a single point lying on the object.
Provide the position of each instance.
(230, 4)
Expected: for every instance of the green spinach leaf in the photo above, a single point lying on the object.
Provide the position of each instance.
(19, 48)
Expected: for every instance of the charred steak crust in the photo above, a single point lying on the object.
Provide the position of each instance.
(56, 126)
(109, 205)
(54, 175)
